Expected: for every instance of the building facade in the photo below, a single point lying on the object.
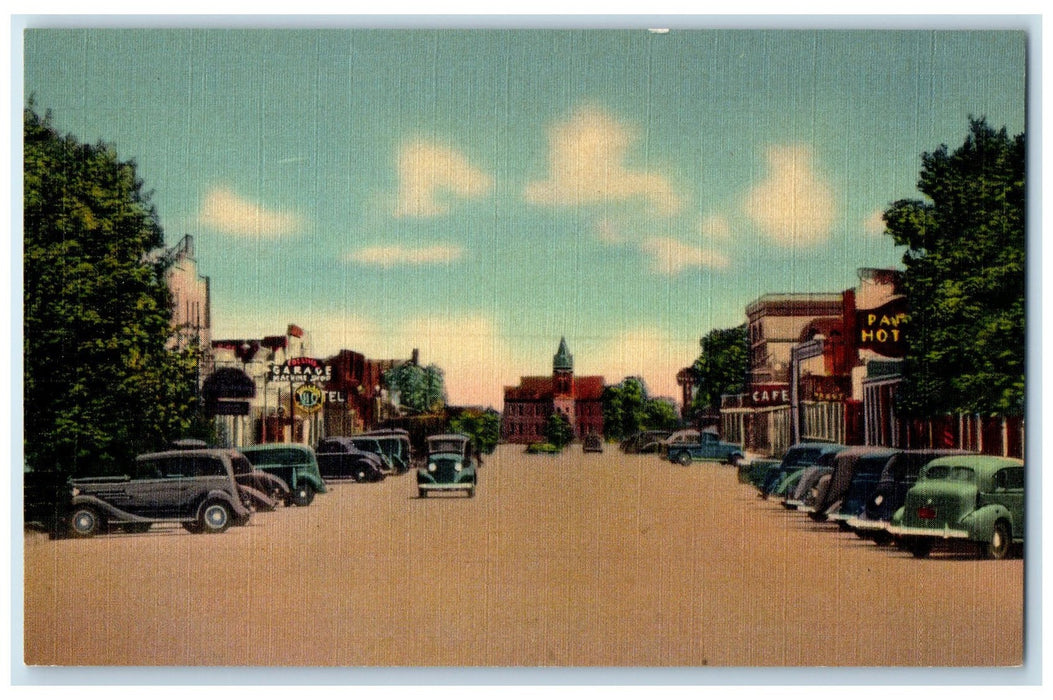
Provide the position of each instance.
(191, 303)
(528, 406)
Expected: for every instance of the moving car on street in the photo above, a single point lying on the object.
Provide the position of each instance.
(708, 448)
(450, 466)
(194, 488)
(967, 498)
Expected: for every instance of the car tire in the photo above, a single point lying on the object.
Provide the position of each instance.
(737, 460)
(85, 522)
(215, 517)
(422, 493)
(920, 547)
(882, 538)
(471, 492)
(683, 459)
(303, 495)
(1000, 544)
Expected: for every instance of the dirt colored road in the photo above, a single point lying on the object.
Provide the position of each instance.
(576, 560)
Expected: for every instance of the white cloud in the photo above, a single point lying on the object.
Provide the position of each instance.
(670, 256)
(227, 212)
(714, 227)
(587, 166)
(874, 224)
(427, 171)
(396, 255)
(793, 206)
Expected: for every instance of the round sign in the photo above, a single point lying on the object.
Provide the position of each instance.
(308, 398)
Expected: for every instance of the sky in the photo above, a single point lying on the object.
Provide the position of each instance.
(479, 194)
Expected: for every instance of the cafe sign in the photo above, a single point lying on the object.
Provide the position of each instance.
(301, 369)
(773, 394)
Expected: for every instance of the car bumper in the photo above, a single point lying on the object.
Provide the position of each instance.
(447, 487)
(946, 532)
(867, 525)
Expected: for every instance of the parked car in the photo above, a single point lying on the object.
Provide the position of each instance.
(195, 488)
(830, 491)
(592, 443)
(807, 489)
(708, 448)
(338, 458)
(450, 466)
(296, 466)
(688, 435)
(392, 447)
(259, 490)
(899, 475)
(796, 458)
(644, 442)
(754, 471)
(966, 498)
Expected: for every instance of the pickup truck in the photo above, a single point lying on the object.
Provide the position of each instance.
(194, 488)
(708, 448)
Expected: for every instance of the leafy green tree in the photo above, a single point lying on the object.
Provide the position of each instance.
(100, 384)
(484, 427)
(558, 431)
(420, 389)
(622, 405)
(721, 369)
(661, 414)
(964, 277)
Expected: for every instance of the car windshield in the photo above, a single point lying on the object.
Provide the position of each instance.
(801, 456)
(949, 473)
(276, 456)
(445, 446)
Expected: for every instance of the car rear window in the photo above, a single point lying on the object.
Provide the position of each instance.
(276, 456)
(950, 473)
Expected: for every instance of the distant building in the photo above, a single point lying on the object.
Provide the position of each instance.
(528, 406)
(191, 313)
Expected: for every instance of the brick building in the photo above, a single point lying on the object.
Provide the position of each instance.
(529, 405)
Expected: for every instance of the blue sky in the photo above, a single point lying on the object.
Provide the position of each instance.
(478, 194)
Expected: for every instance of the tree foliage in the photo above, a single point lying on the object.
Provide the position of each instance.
(483, 427)
(419, 389)
(100, 384)
(558, 431)
(964, 277)
(627, 409)
(721, 369)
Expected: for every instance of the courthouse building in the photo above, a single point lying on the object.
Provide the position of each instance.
(528, 406)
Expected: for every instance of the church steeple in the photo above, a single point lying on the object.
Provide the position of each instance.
(563, 360)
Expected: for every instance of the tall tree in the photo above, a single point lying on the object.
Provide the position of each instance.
(721, 368)
(99, 383)
(420, 389)
(558, 431)
(484, 427)
(964, 277)
(628, 409)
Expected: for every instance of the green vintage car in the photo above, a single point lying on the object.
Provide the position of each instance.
(965, 498)
(294, 464)
(450, 466)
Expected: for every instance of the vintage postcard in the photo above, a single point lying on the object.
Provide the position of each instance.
(675, 346)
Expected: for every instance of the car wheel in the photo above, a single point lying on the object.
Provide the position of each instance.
(737, 460)
(1001, 539)
(215, 518)
(303, 495)
(920, 548)
(360, 476)
(85, 522)
(683, 459)
(882, 538)
(422, 493)
(471, 492)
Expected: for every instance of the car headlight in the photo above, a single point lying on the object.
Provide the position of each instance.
(431, 466)
(76, 491)
(457, 466)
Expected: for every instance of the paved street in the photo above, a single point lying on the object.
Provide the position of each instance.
(576, 560)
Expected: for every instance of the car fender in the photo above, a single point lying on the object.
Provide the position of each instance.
(897, 517)
(980, 522)
(109, 510)
(220, 495)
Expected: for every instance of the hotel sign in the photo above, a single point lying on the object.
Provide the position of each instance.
(883, 329)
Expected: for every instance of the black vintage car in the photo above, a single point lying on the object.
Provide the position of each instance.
(338, 458)
(194, 488)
